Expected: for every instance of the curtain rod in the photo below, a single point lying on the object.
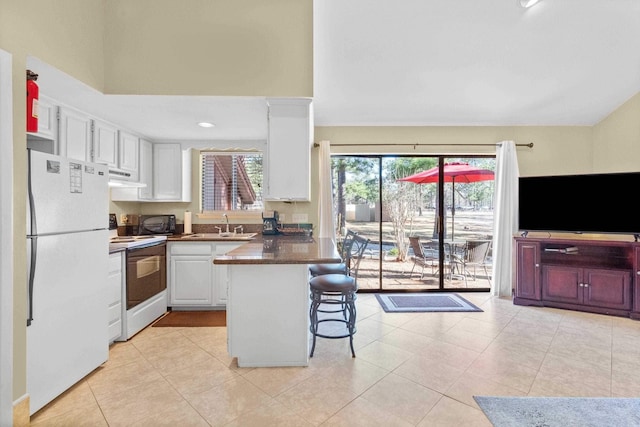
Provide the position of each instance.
(530, 145)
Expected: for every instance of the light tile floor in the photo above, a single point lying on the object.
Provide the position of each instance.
(418, 369)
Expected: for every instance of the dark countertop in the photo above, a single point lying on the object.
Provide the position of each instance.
(282, 250)
(214, 237)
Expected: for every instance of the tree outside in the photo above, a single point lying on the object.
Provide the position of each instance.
(357, 182)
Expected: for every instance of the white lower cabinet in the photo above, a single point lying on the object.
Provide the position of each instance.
(190, 274)
(221, 272)
(115, 295)
(194, 281)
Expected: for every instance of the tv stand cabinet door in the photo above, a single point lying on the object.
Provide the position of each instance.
(636, 283)
(528, 270)
(562, 284)
(607, 288)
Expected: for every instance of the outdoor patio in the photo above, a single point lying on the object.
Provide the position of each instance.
(469, 224)
(396, 276)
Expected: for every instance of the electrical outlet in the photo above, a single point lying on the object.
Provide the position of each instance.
(281, 217)
(299, 218)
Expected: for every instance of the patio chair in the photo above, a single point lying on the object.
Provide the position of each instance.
(422, 257)
(475, 255)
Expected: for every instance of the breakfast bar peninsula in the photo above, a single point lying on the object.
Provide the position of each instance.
(268, 298)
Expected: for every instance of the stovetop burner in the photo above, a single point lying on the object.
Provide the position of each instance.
(116, 241)
(130, 238)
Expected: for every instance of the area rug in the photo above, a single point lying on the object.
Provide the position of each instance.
(184, 319)
(401, 303)
(560, 411)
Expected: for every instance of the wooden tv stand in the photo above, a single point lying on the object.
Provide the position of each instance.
(598, 276)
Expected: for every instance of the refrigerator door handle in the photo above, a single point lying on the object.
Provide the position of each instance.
(32, 240)
(31, 208)
(33, 256)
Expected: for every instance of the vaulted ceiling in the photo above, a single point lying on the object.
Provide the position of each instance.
(474, 62)
(432, 62)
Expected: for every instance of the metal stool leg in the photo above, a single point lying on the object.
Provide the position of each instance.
(313, 319)
(350, 303)
(346, 301)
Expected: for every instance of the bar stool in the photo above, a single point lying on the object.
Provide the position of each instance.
(339, 291)
(345, 254)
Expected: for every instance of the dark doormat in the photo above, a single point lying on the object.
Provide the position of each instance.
(403, 303)
(183, 319)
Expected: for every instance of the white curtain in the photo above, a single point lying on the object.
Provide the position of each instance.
(505, 218)
(326, 227)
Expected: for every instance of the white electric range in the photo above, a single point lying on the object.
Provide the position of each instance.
(144, 292)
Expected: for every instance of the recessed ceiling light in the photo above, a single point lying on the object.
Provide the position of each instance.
(206, 125)
(528, 3)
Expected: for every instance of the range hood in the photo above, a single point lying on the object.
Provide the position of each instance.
(113, 182)
(118, 178)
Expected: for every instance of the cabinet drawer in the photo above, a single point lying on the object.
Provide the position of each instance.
(115, 313)
(114, 291)
(115, 263)
(190, 248)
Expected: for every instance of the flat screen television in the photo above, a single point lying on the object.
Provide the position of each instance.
(591, 203)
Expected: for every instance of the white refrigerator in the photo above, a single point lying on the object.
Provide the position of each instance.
(67, 262)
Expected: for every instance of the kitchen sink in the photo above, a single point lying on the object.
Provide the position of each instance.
(221, 236)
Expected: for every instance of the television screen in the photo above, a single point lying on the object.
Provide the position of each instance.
(592, 203)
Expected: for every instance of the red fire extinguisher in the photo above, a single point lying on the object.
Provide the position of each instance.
(32, 101)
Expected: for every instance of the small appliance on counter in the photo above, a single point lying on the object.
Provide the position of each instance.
(150, 224)
(270, 223)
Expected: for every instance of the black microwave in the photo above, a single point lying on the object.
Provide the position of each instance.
(153, 224)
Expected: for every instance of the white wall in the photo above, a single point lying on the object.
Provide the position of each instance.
(209, 47)
(617, 139)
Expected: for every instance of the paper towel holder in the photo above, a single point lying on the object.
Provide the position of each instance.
(187, 223)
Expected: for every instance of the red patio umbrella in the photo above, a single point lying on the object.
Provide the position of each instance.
(453, 172)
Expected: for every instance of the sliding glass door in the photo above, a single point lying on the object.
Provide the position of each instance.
(429, 219)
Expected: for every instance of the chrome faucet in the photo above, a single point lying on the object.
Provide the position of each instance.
(238, 227)
(226, 217)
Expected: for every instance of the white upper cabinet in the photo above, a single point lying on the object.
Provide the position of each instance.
(116, 148)
(171, 173)
(105, 143)
(128, 148)
(146, 170)
(287, 169)
(166, 170)
(47, 119)
(75, 134)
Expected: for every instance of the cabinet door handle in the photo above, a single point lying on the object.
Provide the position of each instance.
(580, 284)
(538, 265)
(586, 285)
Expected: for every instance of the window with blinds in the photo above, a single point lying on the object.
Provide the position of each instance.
(231, 181)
